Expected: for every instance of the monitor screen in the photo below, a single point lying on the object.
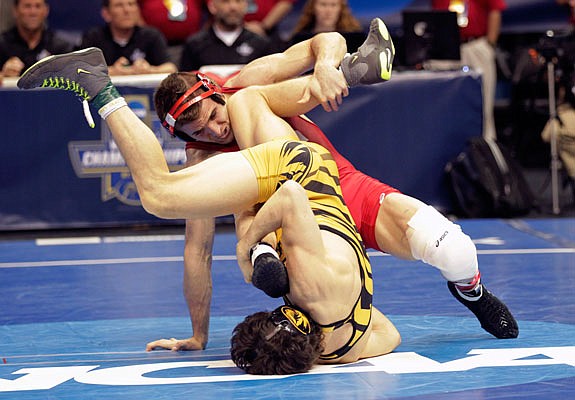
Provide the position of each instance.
(430, 35)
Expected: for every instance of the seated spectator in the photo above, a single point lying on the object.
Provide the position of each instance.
(328, 16)
(225, 41)
(29, 40)
(176, 19)
(129, 49)
(263, 16)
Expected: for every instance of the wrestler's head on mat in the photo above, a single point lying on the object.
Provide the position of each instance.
(280, 342)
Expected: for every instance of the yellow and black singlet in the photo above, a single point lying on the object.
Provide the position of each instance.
(313, 167)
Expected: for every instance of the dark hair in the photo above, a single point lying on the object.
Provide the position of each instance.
(345, 23)
(175, 86)
(283, 353)
(16, 2)
(171, 89)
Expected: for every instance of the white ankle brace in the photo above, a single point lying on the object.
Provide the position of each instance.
(439, 242)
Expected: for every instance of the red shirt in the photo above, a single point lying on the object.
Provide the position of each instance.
(477, 12)
(155, 13)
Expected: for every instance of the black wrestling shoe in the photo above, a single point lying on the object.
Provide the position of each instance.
(372, 63)
(83, 72)
(270, 275)
(493, 315)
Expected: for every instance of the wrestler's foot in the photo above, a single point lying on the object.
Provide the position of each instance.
(372, 63)
(82, 72)
(270, 273)
(493, 315)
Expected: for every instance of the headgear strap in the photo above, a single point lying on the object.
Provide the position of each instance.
(182, 105)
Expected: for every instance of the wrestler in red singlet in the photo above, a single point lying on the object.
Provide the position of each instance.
(362, 193)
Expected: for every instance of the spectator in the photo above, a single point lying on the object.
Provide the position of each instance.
(480, 23)
(129, 49)
(29, 40)
(226, 41)
(328, 16)
(563, 126)
(176, 19)
(264, 16)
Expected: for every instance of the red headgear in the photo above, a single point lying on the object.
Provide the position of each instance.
(182, 104)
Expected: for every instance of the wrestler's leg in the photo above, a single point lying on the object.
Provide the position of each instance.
(391, 227)
(202, 190)
(408, 228)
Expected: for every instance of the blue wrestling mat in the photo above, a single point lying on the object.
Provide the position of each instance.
(76, 314)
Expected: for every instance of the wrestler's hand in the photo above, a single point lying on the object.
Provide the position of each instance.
(175, 344)
(328, 86)
(243, 256)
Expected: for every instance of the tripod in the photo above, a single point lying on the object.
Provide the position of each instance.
(555, 162)
(550, 53)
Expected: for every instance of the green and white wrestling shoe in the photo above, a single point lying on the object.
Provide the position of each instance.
(83, 72)
(372, 62)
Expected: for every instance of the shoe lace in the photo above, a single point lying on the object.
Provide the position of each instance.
(72, 86)
(66, 84)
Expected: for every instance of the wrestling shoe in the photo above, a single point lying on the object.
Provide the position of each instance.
(270, 274)
(82, 72)
(373, 61)
(493, 315)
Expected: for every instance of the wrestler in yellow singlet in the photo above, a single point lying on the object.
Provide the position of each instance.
(313, 167)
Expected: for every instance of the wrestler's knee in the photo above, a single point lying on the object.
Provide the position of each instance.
(152, 205)
(441, 243)
(156, 201)
(391, 226)
(293, 193)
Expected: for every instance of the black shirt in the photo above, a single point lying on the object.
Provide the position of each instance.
(146, 43)
(13, 45)
(205, 48)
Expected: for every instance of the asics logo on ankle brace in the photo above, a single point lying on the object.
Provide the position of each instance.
(80, 70)
(441, 238)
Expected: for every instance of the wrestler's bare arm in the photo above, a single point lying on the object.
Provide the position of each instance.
(288, 208)
(326, 48)
(323, 53)
(384, 337)
(197, 275)
(255, 112)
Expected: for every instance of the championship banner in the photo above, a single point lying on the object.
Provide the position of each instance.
(102, 159)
